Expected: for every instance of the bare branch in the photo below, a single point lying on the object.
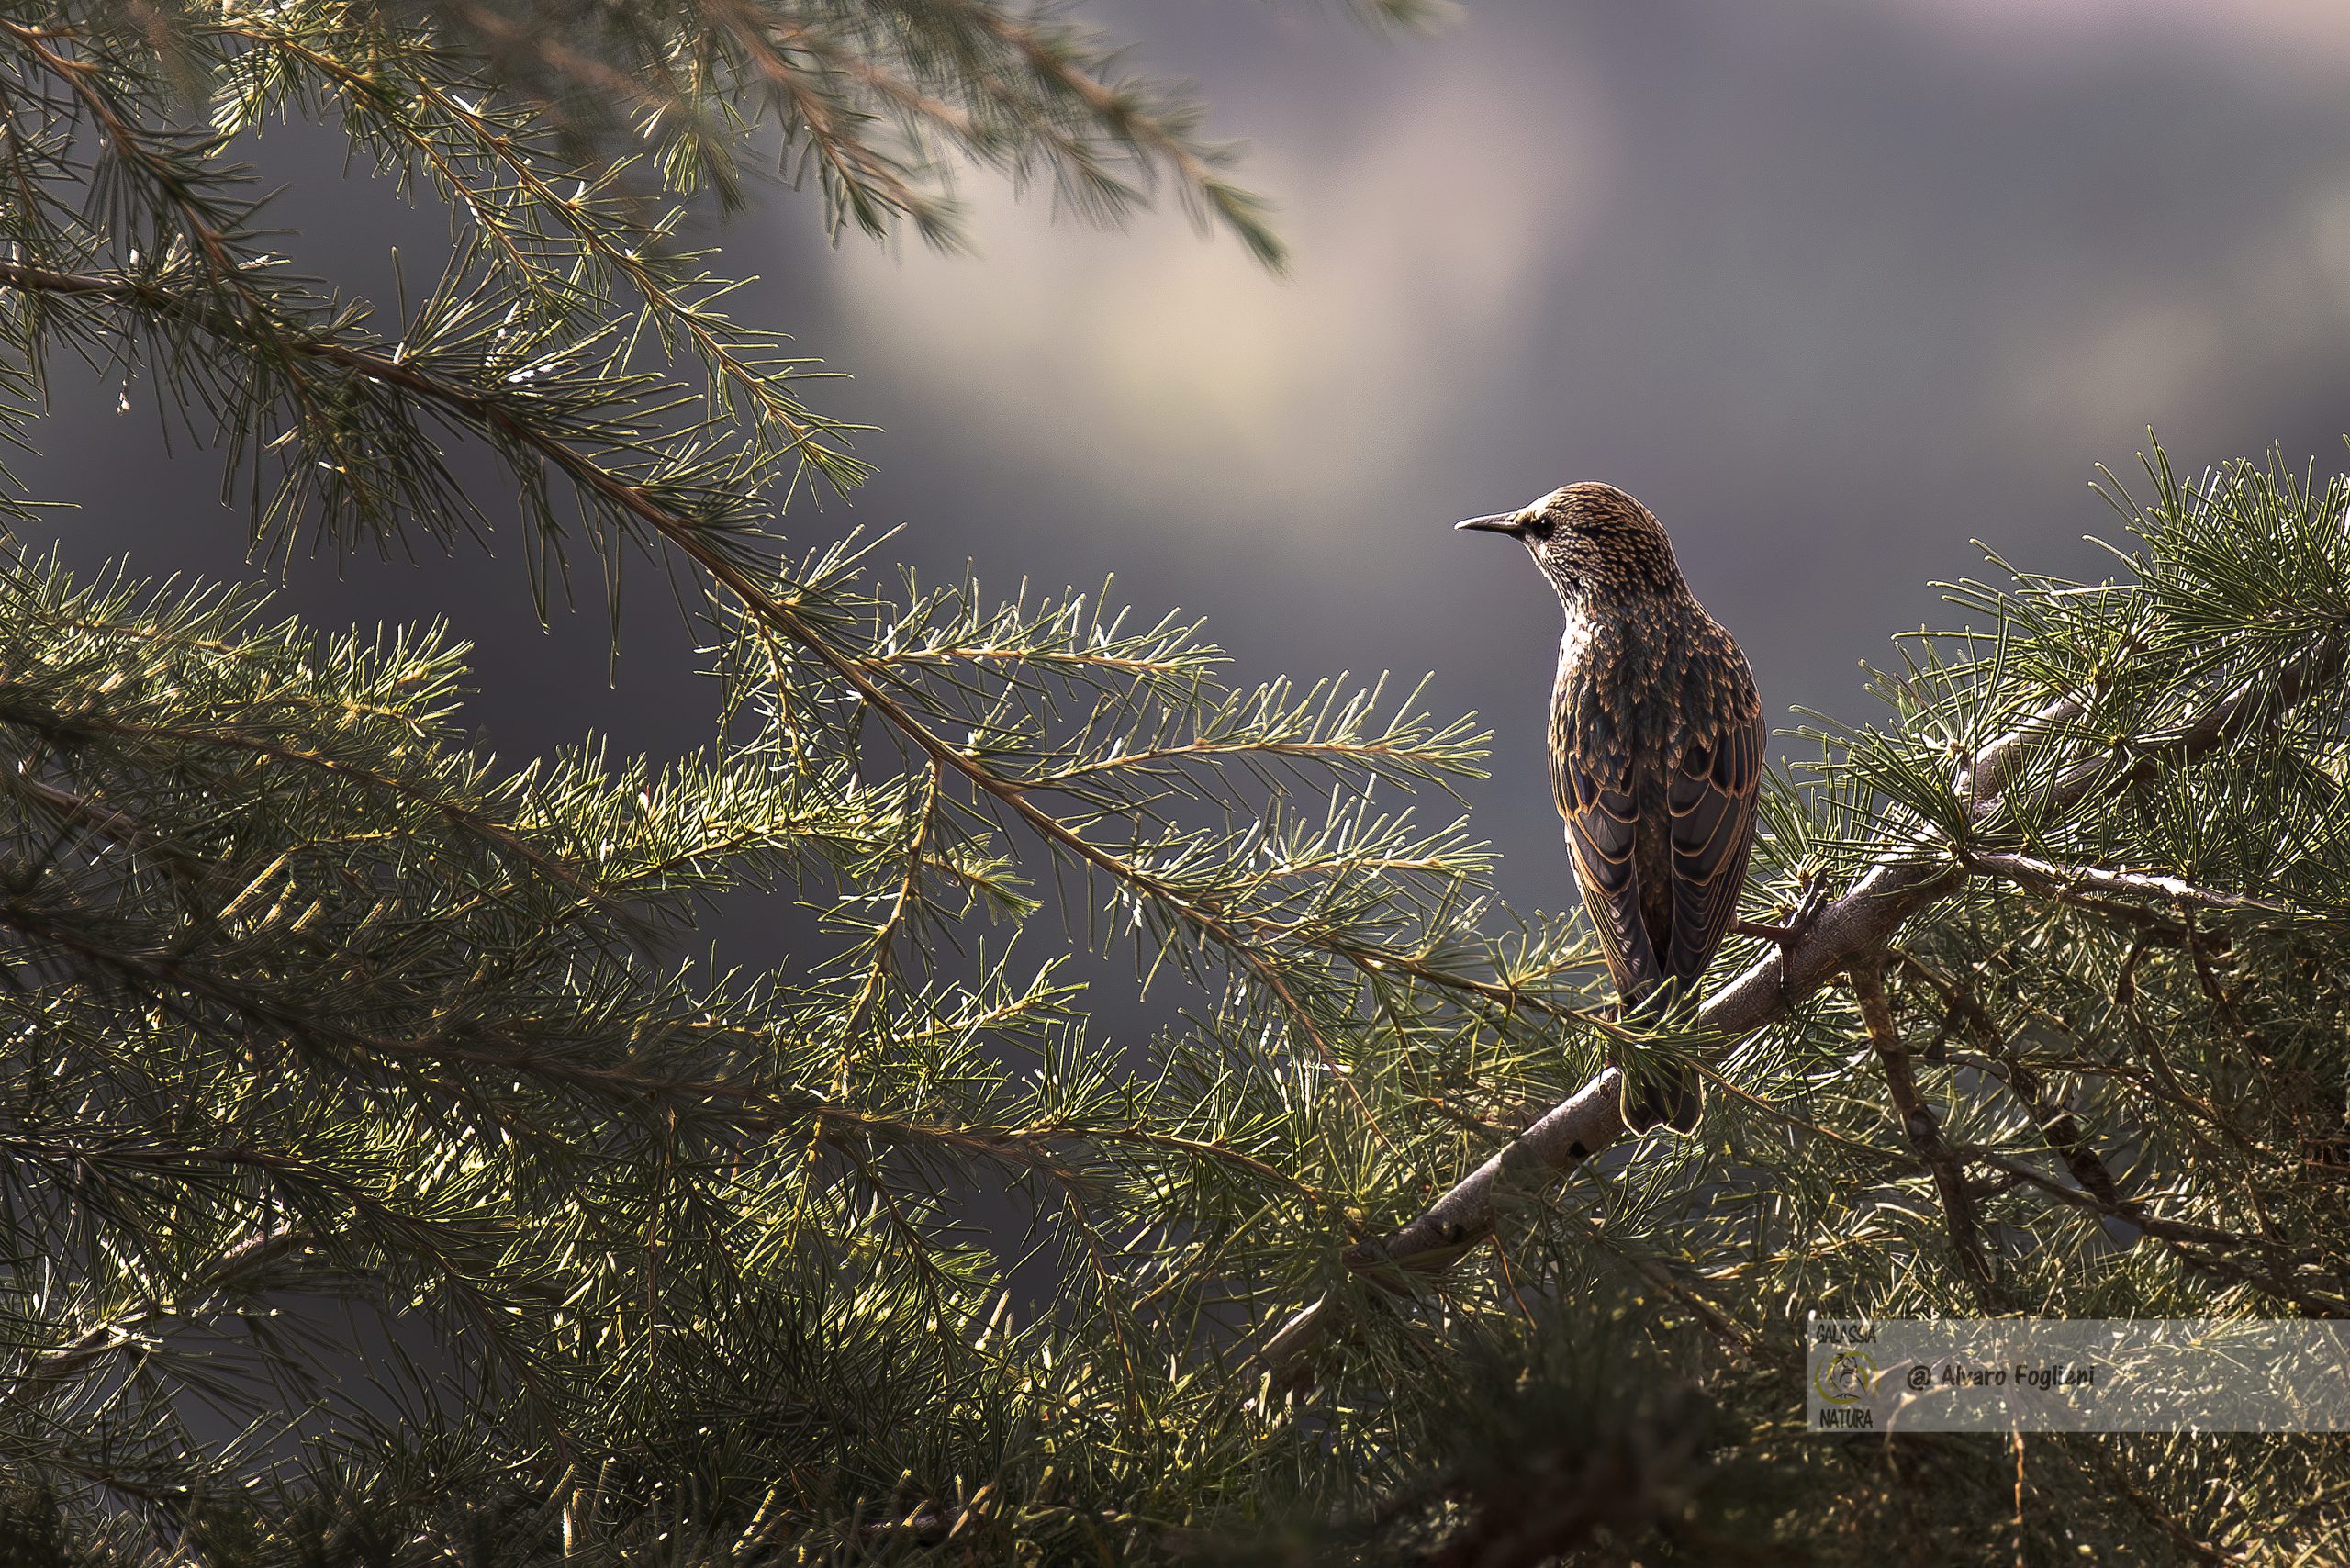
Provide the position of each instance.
(2032, 871)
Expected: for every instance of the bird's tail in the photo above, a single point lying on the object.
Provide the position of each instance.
(1672, 1098)
(1657, 1093)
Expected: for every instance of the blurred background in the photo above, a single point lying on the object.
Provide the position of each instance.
(1834, 286)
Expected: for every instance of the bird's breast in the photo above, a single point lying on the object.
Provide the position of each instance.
(1618, 706)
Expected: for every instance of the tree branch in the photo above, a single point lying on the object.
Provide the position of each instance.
(1904, 879)
(1925, 1134)
(2034, 872)
(2056, 1121)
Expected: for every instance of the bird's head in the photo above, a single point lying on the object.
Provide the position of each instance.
(1593, 542)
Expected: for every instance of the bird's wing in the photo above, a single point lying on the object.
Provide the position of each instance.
(1603, 824)
(1712, 798)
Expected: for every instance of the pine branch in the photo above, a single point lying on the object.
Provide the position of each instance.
(1907, 878)
(2056, 1121)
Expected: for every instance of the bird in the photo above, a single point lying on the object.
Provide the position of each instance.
(1656, 740)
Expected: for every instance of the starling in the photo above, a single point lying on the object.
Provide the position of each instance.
(1656, 751)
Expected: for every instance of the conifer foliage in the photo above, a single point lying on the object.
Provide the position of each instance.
(380, 1182)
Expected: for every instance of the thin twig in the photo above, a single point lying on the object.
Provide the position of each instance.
(2056, 1121)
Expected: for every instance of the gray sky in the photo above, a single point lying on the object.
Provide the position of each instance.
(1835, 285)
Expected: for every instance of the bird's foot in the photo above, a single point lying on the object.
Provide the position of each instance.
(1797, 925)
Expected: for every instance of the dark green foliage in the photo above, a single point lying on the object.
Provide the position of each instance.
(379, 1184)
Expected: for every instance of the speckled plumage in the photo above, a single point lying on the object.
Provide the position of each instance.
(1656, 748)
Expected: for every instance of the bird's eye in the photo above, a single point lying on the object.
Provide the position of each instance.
(1540, 528)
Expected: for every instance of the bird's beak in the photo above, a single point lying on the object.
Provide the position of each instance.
(1506, 522)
